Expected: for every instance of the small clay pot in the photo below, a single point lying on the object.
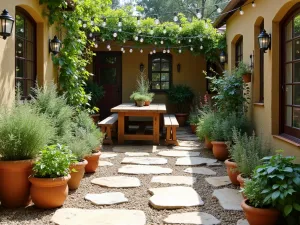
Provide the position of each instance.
(76, 177)
(258, 216)
(14, 184)
(93, 161)
(220, 150)
(140, 103)
(147, 103)
(241, 180)
(48, 193)
(208, 143)
(181, 118)
(193, 128)
(232, 171)
(247, 78)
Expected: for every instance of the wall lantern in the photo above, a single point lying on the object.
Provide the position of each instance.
(142, 67)
(6, 24)
(264, 40)
(222, 57)
(178, 67)
(54, 45)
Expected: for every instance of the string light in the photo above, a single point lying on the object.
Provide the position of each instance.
(91, 34)
(241, 11)
(179, 41)
(131, 50)
(253, 4)
(109, 49)
(115, 34)
(141, 51)
(180, 27)
(142, 40)
(96, 45)
(151, 53)
(151, 31)
(198, 13)
(201, 39)
(136, 38)
(122, 49)
(219, 10)
(120, 22)
(168, 51)
(94, 39)
(120, 29)
(201, 47)
(162, 42)
(84, 24)
(154, 51)
(165, 31)
(124, 41)
(138, 20)
(104, 22)
(92, 22)
(108, 46)
(164, 51)
(180, 50)
(175, 17)
(103, 39)
(156, 19)
(192, 49)
(190, 40)
(79, 22)
(155, 43)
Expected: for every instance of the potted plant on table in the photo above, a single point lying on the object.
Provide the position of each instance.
(181, 96)
(273, 189)
(244, 71)
(23, 133)
(50, 177)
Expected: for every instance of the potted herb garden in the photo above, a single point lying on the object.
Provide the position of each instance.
(244, 71)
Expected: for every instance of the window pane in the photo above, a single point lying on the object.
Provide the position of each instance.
(155, 76)
(289, 31)
(20, 29)
(289, 73)
(296, 94)
(156, 60)
(20, 67)
(288, 94)
(288, 116)
(29, 51)
(108, 60)
(289, 51)
(20, 46)
(297, 72)
(165, 85)
(155, 66)
(30, 70)
(29, 31)
(108, 76)
(296, 50)
(296, 118)
(155, 85)
(164, 60)
(164, 77)
(165, 67)
(297, 26)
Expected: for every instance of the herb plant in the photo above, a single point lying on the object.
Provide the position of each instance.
(205, 124)
(242, 69)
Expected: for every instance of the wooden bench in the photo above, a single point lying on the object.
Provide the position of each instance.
(107, 125)
(171, 124)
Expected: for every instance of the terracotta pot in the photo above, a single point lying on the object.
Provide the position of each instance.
(208, 143)
(140, 103)
(194, 128)
(232, 171)
(147, 103)
(14, 184)
(247, 78)
(181, 118)
(220, 150)
(76, 177)
(92, 162)
(48, 193)
(241, 180)
(257, 216)
(95, 117)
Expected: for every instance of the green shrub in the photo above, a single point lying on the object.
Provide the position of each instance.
(181, 96)
(96, 93)
(247, 152)
(206, 124)
(242, 69)
(53, 162)
(193, 119)
(23, 132)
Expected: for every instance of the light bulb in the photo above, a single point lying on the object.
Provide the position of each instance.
(198, 13)
(120, 22)
(124, 52)
(253, 4)
(154, 51)
(108, 46)
(165, 31)
(190, 40)
(241, 11)
(156, 19)
(103, 39)
(79, 22)
(94, 39)
(164, 51)
(120, 29)
(151, 53)
(141, 51)
(139, 31)
(180, 50)
(179, 41)
(84, 25)
(136, 38)
(201, 47)
(122, 49)
(180, 27)
(138, 21)
(155, 43)
(175, 17)
(162, 42)
(124, 41)
(115, 34)
(104, 24)
(131, 50)
(96, 45)
(192, 49)
(142, 40)
(168, 51)
(91, 34)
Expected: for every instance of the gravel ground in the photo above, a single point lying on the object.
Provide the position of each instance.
(138, 197)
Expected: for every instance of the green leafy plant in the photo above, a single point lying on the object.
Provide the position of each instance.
(142, 91)
(53, 162)
(205, 124)
(140, 97)
(247, 152)
(23, 132)
(278, 182)
(96, 93)
(193, 118)
(182, 96)
(242, 69)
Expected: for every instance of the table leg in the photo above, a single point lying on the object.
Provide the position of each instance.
(121, 128)
(156, 129)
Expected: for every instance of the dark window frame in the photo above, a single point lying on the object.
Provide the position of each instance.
(239, 51)
(261, 69)
(160, 55)
(26, 79)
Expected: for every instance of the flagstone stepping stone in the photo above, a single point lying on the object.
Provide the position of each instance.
(138, 169)
(194, 161)
(105, 163)
(183, 148)
(197, 218)
(214, 164)
(218, 181)
(174, 153)
(136, 154)
(107, 155)
(117, 182)
(145, 160)
(229, 199)
(200, 170)
(174, 180)
(109, 198)
(174, 197)
(132, 148)
(189, 143)
(187, 138)
(242, 222)
(74, 216)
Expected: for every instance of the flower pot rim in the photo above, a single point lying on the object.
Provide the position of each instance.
(245, 205)
(228, 162)
(21, 164)
(93, 155)
(81, 163)
(49, 182)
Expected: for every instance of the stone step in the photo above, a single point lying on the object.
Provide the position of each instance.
(117, 182)
(183, 180)
(107, 155)
(104, 163)
(145, 160)
(139, 169)
(196, 218)
(229, 199)
(194, 161)
(174, 153)
(200, 170)
(109, 198)
(218, 181)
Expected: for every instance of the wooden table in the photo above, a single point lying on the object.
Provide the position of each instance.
(129, 109)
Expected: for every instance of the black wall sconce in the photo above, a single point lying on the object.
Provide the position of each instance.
(222, 57)
(6, 24)
(54, 45)
(264, 40)
(142, 67)
(178, 67)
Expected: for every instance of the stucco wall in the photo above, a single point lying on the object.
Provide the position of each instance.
(45, 69)
(191, 72)
(265, 116)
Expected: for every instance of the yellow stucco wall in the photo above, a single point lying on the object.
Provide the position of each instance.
(266, 116)
(45, 69)
(191, 72)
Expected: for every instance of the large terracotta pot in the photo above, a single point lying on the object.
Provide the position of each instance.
(48, 193)
(76, 177)
(232, 171)
(147, 103)
(241, 180)
(193, 128)
(208, 143)
(220, 150)
(181, 118)
(257, 216)
(247, 78)
(93, 161)
(14, 184)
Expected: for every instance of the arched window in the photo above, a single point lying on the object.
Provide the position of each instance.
(160, 71)
(25, 52)
(239, 51)
(290, 78)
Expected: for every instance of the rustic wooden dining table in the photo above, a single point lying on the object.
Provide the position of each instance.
(126, 110)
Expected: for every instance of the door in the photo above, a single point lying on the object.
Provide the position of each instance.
(108, 73)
